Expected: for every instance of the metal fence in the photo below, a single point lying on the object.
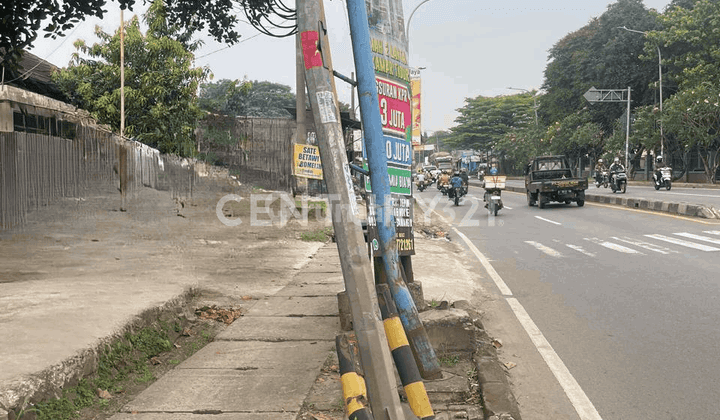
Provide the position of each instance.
(36, 169)
(255, 149)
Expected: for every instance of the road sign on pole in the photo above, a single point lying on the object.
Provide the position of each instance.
(613, 95)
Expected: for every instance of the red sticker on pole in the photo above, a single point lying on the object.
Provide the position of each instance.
(311, 53)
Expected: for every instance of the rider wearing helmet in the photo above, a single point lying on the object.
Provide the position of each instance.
(658, 165)
(455, 182)
(617, 166)
(599, 169)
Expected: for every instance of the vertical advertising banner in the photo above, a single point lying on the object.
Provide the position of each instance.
(415, 92)
(392, 76)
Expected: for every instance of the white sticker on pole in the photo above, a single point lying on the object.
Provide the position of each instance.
(326, 103)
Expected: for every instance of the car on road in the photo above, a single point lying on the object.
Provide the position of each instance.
(550, 178)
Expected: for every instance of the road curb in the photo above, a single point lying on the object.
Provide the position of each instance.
(50, 382)
(679, 208)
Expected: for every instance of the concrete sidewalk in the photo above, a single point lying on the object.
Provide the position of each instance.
(278, 361)
(264, 365)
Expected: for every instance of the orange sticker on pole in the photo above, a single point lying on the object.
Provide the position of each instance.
(311, 52)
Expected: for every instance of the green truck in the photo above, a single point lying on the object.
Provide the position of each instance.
(549, 178)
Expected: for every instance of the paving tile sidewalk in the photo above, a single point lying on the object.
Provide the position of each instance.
(264, 365)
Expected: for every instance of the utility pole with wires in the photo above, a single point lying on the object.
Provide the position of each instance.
(357, 271)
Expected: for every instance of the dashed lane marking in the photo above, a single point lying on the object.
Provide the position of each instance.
(580, 249)
(549, 251)
(646, 245)
(699, 237)
(548, 220)
(614, 246)
(688, 244)
(712, 232)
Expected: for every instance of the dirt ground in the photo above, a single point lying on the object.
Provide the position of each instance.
(81, 268)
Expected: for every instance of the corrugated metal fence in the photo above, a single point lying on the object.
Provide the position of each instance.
(255, 149)
(36, 169)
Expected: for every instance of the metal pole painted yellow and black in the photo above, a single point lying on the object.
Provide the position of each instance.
(376, 147)
(353, 385)
(402, 354)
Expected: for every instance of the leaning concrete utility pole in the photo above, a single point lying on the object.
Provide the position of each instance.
(357, 271)
(377, 162)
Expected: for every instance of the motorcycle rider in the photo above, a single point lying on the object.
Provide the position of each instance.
(615, 168)
(455, 182)
(443, 180)
(465, 179)
(659, 164)
(420, 179)
(599, 169)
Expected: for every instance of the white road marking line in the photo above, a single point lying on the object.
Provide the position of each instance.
(551, 252)
(580, 401)
(580, 249)
(506, 207)
(699, 237)
(547, 220)
(712, 232)
(688, 244)
(584, 407)
(485, 263)
(614, 246)
(647, 245)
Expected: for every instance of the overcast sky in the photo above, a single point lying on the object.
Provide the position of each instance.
(469, 47)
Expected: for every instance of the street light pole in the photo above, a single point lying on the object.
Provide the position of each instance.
(407, 26)
(534, 102)
(662, 149)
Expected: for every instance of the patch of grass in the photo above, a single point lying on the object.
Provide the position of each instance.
(118, 361)
(449, 360)
(318, 235)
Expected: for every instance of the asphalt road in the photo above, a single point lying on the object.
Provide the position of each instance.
(629, 300)
(706, 196)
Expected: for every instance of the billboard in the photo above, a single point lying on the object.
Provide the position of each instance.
(415, 91)
(392, 76)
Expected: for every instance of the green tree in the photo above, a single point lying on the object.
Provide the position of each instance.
(160, 83)
(601, 55)
(485, 121)
(22, 19)
(693, 113)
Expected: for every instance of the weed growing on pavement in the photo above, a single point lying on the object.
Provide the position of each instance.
(318, 235)
(126, 366)
(449, 360)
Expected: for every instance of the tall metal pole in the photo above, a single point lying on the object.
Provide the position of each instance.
(122, 74)
(627, 133)
(662, 142)
(357, 271)
(407, 27)
(377, 163)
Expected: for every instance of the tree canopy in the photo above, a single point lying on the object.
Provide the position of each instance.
(160, 83)
(22, 19)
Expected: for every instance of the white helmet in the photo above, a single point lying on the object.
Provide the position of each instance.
(600, 160)
(659, 159)
(617, 160)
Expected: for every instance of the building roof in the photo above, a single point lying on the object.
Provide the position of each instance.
(33, 74)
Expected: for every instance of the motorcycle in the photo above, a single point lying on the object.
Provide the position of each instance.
(493, 185)
(443, 186)
(602, 179)
(421, 186)
(663, 178)
(455, 193)
(618, 182)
